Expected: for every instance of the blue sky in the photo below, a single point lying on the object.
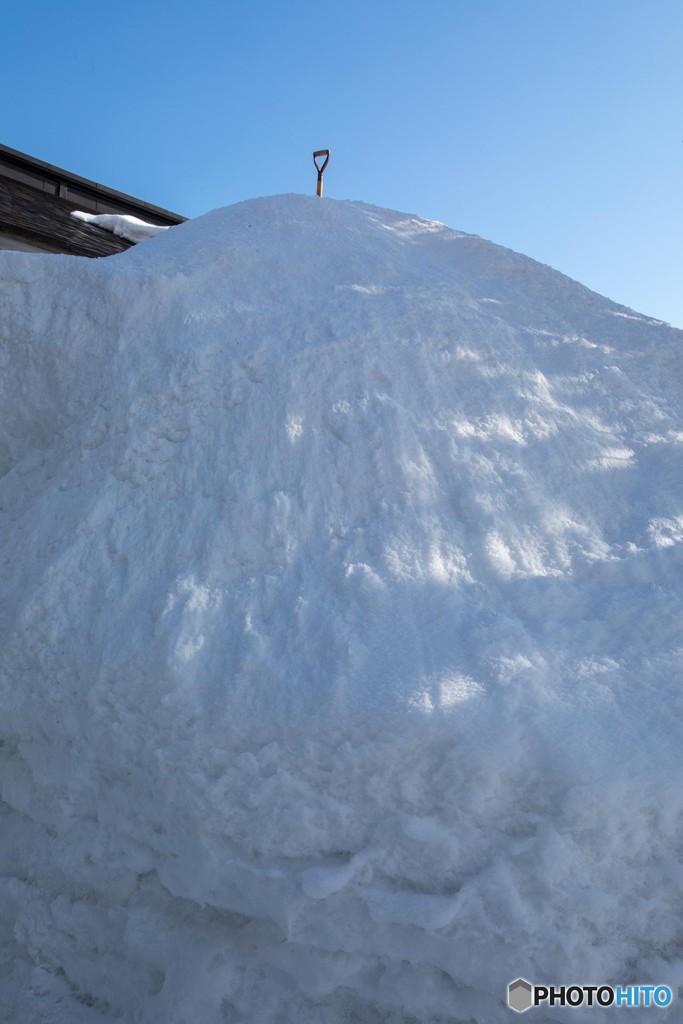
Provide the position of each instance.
(551, 126)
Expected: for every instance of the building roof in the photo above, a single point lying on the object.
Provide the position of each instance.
(37, 199)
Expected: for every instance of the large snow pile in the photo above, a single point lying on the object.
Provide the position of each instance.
(340, 628)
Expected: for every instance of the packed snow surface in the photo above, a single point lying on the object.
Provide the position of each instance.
(123, 224)
(341, 628)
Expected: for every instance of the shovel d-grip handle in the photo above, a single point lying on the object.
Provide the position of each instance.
(320, 169)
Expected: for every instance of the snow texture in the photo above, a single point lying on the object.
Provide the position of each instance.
(341, 644)
(131, 228)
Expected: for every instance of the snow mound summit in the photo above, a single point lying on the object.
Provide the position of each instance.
(340, 648)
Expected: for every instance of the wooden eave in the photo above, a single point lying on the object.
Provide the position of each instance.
(40, 218)
(37, 200)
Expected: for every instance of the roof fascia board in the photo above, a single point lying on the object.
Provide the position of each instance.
(60, 175)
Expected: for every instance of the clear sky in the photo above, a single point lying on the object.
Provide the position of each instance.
(553, 127)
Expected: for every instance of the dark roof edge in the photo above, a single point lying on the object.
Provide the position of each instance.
(30, 162)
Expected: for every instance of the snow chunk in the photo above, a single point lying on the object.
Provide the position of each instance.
(126, 226)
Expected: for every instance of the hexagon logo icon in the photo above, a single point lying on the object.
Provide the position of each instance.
(520, 995)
